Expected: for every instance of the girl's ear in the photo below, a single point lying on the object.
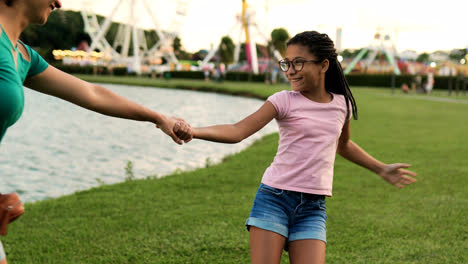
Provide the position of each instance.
(325, 64)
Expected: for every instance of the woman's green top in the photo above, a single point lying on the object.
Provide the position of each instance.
(12, 78)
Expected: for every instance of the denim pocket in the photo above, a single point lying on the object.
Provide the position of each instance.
(322, 204)
(268, 189)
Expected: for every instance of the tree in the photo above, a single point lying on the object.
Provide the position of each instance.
(51, 35)
(177, 45)
(179, 52)
(279, 37)
(423, 57)
(226, 50)
(457, 54)
(199, 55)
(347, 53)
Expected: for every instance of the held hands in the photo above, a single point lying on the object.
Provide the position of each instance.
(179, 130)
(183, 130)
(397, 176)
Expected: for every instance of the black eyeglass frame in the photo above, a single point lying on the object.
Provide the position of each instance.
(293, 62)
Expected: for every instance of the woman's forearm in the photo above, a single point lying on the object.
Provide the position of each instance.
(90, 96)
(107, 102)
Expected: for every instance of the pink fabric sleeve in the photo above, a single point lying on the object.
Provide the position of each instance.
(280, 101)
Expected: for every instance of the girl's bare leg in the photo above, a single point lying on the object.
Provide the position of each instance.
(266, 246)
(307, 251)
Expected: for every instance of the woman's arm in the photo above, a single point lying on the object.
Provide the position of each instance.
(237, 132)
(392, 173)
(97, 98)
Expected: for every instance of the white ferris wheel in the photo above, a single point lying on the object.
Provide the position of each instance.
(132, 16)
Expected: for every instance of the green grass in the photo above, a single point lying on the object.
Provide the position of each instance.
(199, 216)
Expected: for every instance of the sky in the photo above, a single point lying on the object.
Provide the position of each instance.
(416, 25)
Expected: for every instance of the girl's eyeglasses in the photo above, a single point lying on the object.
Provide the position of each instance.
(297, 64)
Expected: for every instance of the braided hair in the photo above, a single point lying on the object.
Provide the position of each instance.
(323, 48)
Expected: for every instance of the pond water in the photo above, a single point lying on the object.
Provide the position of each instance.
(57, 148)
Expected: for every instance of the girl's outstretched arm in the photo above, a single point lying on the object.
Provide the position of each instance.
(237, 132)
(394, 174)
(97, 98)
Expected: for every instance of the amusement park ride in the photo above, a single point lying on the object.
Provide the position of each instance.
(380, 44)
(247, 26)
(130, 30)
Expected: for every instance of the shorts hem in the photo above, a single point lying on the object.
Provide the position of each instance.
(270, 226)
(317, 235)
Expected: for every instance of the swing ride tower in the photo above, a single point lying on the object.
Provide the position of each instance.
(380, 44)
(245, 25)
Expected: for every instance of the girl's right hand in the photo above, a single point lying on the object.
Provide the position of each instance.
(183, 130)
(168, 126)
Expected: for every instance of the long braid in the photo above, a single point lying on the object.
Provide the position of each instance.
(323, 48)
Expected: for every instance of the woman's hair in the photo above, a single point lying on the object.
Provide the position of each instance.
(9, 2)
(323, 48)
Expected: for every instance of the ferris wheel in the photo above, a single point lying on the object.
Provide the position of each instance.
(132, 16)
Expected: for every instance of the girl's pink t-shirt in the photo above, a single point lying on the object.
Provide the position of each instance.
(309, 133)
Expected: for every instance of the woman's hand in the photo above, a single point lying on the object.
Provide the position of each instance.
(397, 176)
(183, 130)
(179, 130)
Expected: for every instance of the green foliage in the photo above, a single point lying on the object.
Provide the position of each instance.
(279, 37)
(457, 54)
(423, 57)
(347, 53)
(208, 162)
(378, 80)
(385, 80)
(119, 71)
(245, 77)
(187, 74)
(180, 53)
(177, 44)
(226, 50)
(52, 35)
(151, 38)
(129, 175)
(100, 182)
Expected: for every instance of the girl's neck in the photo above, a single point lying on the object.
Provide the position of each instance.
(319, 96)
(13, 22)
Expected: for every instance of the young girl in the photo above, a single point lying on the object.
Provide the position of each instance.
(314, 123)
(20, 65)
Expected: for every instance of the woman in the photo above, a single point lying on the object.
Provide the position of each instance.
(314, 124)
(21, 66)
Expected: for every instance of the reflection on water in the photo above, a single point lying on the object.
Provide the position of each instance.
(58, 148)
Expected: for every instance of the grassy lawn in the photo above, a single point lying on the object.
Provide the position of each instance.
(199, 216)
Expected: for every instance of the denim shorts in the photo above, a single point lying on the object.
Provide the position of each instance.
(2, 252)
(294, 215)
